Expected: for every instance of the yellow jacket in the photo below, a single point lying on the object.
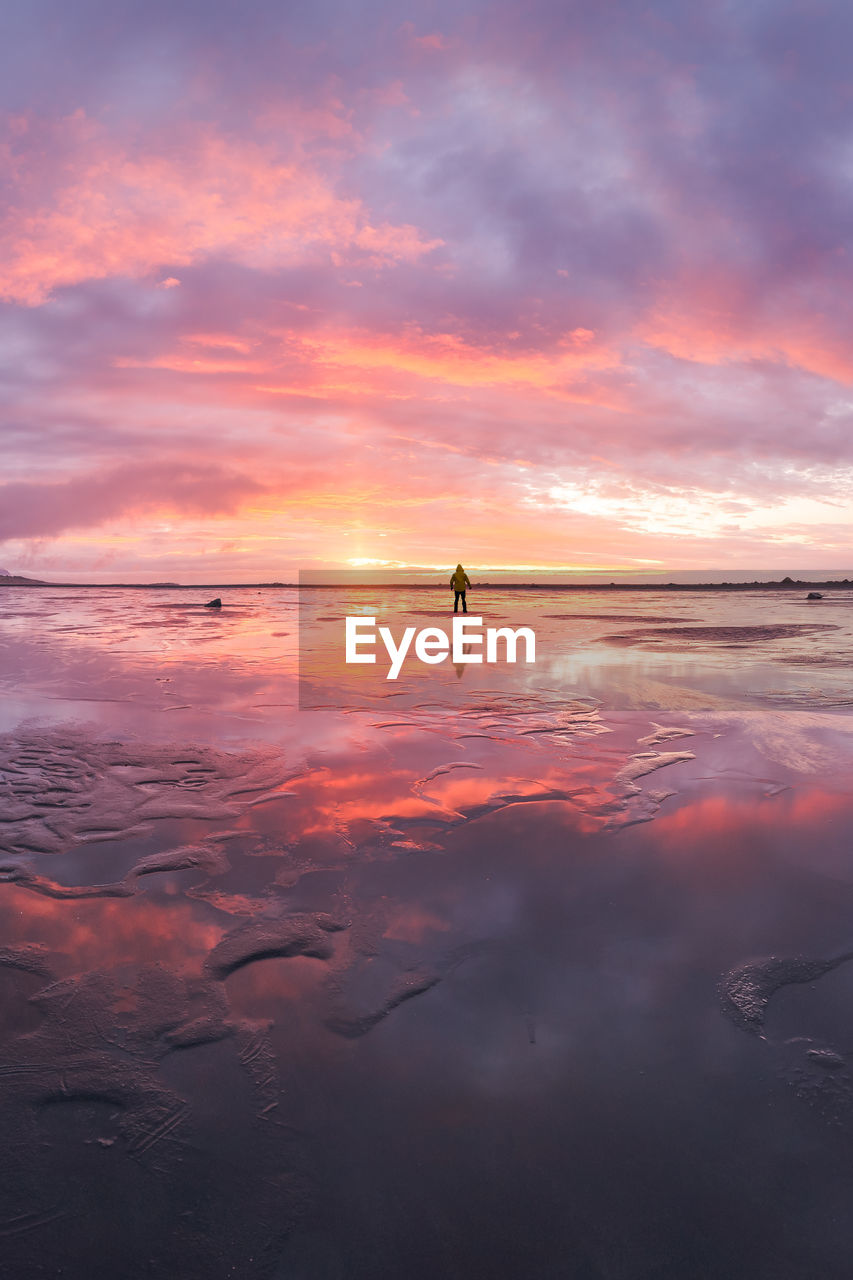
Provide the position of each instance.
(460, 580)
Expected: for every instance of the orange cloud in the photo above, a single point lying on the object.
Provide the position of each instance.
(449, 358)
(368, 361)
(712, 329)
(353, 364)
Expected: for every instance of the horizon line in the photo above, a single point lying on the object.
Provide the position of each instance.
(17, 580)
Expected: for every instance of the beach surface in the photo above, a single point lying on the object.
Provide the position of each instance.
(498, 970)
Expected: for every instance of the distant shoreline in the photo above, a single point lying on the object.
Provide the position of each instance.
(786, 584)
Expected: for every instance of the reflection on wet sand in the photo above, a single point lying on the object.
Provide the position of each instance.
(535, 972)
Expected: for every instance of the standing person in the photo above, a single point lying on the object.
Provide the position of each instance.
(458, 582)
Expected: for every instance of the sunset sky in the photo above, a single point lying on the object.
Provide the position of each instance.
(541, 285)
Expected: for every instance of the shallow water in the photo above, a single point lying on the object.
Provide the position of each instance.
(530, 970)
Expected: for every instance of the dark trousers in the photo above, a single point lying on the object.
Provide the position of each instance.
(456, 595)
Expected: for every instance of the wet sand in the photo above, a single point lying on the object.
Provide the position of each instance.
(534, 971)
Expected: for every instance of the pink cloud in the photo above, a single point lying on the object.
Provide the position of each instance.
(35, 509)
(97, 208)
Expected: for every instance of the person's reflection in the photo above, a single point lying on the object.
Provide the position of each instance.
(467, 647)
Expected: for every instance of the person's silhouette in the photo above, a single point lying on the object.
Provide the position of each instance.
(458, 582)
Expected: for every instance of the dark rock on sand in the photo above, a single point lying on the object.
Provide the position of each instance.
(815, 595)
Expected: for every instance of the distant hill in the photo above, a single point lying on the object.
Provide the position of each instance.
(15, 580)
